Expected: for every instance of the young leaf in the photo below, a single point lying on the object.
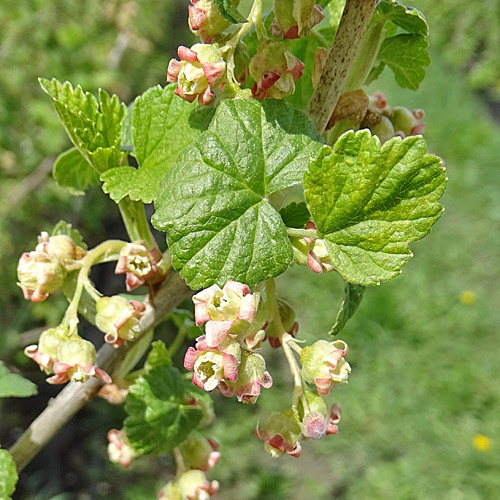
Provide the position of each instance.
(229, 11)
(94, 128)
(407, 56)
(63, 227)
(12, 385)
(352, 298)
(73, 173)
(214, 201)
(162, 125)
(184, 320)
(369, 202)
(407, 18)
(8, 475)
(158, 417)
(295, 215)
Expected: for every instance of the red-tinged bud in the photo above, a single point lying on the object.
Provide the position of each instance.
(205, 20)
(406, 122)
(39, 275)
(45, 353)
(275, 70)
(230, 310)
(140, 265)
(190, 485)
(281, 433)
(324, 364)
(61, 247)
(314, 414)
(200, 453)
(252, 375)
(213, 365)
(200, 70)
(312, 252)
(119, 448)
(118, 318)
(295, 18)
(76, 362)
(333, 419)
(379, 100)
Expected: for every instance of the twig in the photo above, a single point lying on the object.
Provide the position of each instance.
(353, 25)
(75, 395)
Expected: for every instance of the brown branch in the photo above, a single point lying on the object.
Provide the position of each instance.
(75, 395)
(352, 28)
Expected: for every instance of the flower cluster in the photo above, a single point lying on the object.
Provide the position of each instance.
(42, 271)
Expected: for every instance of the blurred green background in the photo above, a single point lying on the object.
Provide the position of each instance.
(421, 411)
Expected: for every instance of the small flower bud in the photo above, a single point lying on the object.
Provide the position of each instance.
(275, 70)
(190, 485)
(205, 20)
(118, 318)
(383, 129)
(230, 310)
(324, 365)
(406, 122)
(141, 266)
(200, 453)
(45, 353)
(39, 274)
(75, 362)
(119, 448)
(295, 18)
(252, 375)
(314, 250)
(282, 432)
(61, 247)
(200, 70)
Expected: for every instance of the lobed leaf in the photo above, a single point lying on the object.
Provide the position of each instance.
(13, 385)
(93, 127)
(214, 201)
(229, 12)
(408, 18)
(369, 202)
(73, 173)
(162, 125)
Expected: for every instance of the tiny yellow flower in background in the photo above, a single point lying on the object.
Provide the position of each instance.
(467, 297)
(481, 442)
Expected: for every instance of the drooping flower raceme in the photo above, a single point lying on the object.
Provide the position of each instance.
(324, 364)
(230, 310)
(200, 70)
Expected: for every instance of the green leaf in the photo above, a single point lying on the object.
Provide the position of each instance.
(158, 356)
(12, 385)
(127, 141)
(295, 215)
(335, 8)
(352, 298)
(158, 421)
(407, 56)
(8, 475)
(63, 227)
(369, 202)
(94, 127)
(229, 12)
(73, 173)
(214, 202)
(162, 126)
(407, 18)
(184, 320)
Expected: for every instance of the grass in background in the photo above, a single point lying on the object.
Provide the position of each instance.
(425, 355)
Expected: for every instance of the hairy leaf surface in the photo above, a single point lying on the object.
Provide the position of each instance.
(162, 125)
(369, 202)
(214, 201)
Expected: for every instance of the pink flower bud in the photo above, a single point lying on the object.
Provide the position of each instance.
(406, 122)
(212, 365)
(61, 247)
(295, 18)
(118, 318)
(119, 448)
(205, 20)
(200, 453)
(200, 70)
(39, 275)
(75, 362)
(252, 375)
(281, 433)
(230, 310)
(190, 485)
(45, 353)
(275, 70)
(141, 266)
(324, 365)
(312, 252)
